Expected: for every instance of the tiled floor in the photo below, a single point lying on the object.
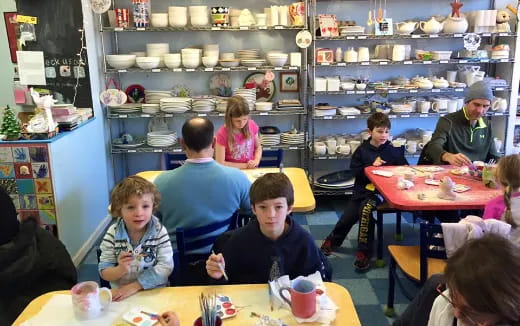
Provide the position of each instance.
(368, 290)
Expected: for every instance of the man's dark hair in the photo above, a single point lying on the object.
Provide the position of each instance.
(197, 133)
(377, 120)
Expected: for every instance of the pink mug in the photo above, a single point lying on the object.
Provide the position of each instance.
(89, 301)
(303, 298)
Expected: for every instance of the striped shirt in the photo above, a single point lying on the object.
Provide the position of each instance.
(153, 254)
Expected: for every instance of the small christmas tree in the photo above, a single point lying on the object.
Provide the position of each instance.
(10, 126)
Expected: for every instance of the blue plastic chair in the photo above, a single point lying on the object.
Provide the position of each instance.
(102, 282)
(418, 263)
(187, 240)
(173, 160)
(271, 158)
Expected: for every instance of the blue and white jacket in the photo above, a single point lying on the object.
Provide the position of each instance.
(153, 254)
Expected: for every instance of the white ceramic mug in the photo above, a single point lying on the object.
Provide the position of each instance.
(440, 105)
(343, 149)
(341, 140)
(411, 146)
(452, 105)
(499, 104)
(426, 138)
(424, 106)
(398, 142)
(331, 146)
(398, 52)
(88, 300)
(363, 54)
(354, 144)
(320, 148)
(451, 75)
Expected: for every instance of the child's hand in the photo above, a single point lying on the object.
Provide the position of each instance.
(378, 162)
(252, 164)
(124, 261)
(126, 291)
(212, 266)
(169, 318)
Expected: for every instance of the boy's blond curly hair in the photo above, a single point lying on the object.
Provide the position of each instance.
(133, 185)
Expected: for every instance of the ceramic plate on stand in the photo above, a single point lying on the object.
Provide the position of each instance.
(303, 39)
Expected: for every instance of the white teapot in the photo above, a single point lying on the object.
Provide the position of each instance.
(406, 27)
(455, 24)
(432, 26)
(440, 83)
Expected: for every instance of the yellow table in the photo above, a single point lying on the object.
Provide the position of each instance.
(184, 301)
(303, 197)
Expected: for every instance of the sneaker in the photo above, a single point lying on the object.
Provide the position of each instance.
(326, 247)
(362, 262)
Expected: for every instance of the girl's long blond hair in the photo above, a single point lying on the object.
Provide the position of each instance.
(508, 174)
(236, 107)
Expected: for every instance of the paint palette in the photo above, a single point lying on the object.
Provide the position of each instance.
(141, 317)
(460, 188)
(225, 308)
(383, 173)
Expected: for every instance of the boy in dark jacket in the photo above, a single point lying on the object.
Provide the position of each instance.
(32, 262)
(376, 151)
(271, 245)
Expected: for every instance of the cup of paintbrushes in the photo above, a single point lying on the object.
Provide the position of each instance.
(198, 322)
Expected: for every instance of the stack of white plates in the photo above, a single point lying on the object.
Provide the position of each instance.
(252, 62)
(175, 104)
(248, 54)
(264, 106)
(345, 30)
(161, 138)
(154, 97)
(203, 104)
(221, 104)
(404, 108)
(126, 108)
(151, 108)
(270, 140)
(292, 139)
(322, 111)
(249, 94)
(348, 110)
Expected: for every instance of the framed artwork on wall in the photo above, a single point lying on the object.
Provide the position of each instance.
(289, 82)
(11, 26)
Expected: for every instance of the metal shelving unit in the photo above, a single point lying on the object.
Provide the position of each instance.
(488, 65)
(299, 115)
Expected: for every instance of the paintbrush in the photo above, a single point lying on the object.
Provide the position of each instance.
(150, 314)
(221, 267)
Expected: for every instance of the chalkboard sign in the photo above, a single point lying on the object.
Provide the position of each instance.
(58, 36)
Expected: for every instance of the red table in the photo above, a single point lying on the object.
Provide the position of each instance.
(408, 200)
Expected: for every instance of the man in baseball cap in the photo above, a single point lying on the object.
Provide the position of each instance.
(465, 136)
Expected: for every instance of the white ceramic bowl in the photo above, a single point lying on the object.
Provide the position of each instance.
(147, 62)
(227, 56)
(159, 20)
(277, 61)
(172, 56)
(177, 20)
(120, 61)
(190, 63)
(209, 62)
(139, 53)
(229, 63)
(172, 63)
(264, 106)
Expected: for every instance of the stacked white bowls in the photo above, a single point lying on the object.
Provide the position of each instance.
(120, 61)
(191, 57)
(178, 16)
(147, 62)
(157, 50)
(159, 20)
(210, 58)
(172, 60)
(199, 15)
(277, 59)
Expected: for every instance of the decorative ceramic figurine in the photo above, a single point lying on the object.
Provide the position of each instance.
(403, 184)
(455, 8)
(42, 121)
(446, 189)
(503, 21)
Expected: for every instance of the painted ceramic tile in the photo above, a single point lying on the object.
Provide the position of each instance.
(10, 186)
(28, 202)
(43, 186)
(38, 154)
(25, 187)
(48, 216)
(40, 170)
(6, 170)
(21, 154)
(6, 155)
(16, 201)
(24, 214)
(23, 170)
(45, 201)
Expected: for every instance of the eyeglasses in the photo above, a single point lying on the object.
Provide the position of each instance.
(468, 318)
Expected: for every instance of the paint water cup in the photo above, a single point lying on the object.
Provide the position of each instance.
(89, 300)
(302, 298)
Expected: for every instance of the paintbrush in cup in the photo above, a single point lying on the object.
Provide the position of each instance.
(221, 267)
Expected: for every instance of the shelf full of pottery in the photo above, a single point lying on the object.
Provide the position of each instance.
(204, 18)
